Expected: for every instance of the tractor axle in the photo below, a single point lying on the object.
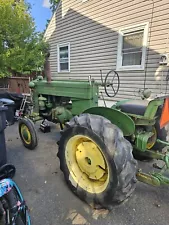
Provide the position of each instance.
(155, 179)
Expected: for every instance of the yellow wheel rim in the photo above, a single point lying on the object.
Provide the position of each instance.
(152, 140)
(87, 165)
(26, 135)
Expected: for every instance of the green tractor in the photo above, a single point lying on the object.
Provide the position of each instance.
(99, 146)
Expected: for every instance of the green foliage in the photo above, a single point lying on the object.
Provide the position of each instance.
(21, 48)
(54, 4)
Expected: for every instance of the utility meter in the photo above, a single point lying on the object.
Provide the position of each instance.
(164, 60)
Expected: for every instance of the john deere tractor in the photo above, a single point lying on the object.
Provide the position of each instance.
(99, 146)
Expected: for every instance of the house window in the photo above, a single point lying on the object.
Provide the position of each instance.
(64, 58)
(132, 46)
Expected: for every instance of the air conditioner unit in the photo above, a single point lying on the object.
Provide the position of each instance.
(164, 59)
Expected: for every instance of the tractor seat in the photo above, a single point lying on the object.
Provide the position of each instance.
(137, 107)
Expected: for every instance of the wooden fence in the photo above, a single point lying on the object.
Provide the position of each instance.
(3, 84)
(15, 84)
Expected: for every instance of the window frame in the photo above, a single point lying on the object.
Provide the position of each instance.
(123, 31)
(58, 57)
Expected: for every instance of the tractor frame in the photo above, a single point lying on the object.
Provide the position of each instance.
(60, 100)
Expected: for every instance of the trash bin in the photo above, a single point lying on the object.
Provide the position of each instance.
(10, 113)
(17, 98)
(3, 156)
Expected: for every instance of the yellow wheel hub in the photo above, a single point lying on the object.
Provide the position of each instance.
(86, 163)
(152, 140)
(90, 160)
(26, 135)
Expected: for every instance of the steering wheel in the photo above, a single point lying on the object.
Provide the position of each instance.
(112, 83)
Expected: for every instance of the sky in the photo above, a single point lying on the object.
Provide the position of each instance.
(40, 12)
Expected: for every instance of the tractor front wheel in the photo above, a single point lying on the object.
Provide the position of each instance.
(152, 144)
(27, 133)
(97, 161)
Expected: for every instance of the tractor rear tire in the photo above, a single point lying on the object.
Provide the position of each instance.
(120, 166)
(27, 133)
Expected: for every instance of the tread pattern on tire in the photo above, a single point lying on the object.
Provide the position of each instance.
(34, 138)
(119, 150)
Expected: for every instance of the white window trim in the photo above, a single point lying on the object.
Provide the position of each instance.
(122, 31)
(58, 57)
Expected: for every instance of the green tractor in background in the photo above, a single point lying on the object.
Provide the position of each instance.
(99, 146)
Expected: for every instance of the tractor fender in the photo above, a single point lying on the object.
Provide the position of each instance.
(118, 118)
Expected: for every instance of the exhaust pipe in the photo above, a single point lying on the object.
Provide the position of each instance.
(47, 68)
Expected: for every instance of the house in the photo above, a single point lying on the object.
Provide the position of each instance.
(129, 36)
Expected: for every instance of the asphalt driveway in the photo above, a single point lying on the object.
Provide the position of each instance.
(52, 203)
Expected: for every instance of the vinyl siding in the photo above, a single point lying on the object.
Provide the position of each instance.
(92, 28)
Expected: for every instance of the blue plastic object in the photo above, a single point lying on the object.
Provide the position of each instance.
(7, 101)
(6, 185)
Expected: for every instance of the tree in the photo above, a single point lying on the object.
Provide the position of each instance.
(54, 4)
(22, 49)
(53, 7)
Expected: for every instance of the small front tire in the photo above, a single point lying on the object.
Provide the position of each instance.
(27, 133)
